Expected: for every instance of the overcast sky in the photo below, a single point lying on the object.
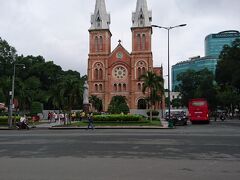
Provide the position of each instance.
(58, 29)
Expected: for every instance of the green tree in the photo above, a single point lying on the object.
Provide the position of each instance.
(153, 84)
(177, 102)
(197, 84)
(227, 76)
(36, 107)
(71, 89)
(96, 103)
(5, 86)
(40, 81)
(118, 105)
(7, 55)
(228, 67)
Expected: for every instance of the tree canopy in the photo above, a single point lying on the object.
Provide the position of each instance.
(197, 84)
(227, 76)
(228, 67)
(41, 81)
(118, 105)
(221, 91)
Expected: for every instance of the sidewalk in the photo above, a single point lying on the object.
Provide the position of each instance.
(53, 126)
(164, 126)
(4, 128)
(48, 125)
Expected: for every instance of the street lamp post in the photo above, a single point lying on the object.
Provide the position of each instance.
(12, 94)
(169, 105)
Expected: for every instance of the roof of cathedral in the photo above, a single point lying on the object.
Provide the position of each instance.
(100, 19)
(142, 17)
(120, 46)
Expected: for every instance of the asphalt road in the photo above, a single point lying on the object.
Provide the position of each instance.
(186, 153)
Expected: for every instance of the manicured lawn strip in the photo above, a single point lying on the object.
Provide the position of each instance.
(139, 123)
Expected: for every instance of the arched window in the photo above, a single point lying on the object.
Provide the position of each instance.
(139, 72)
(142, 104)
(100, 87)
(100, 43)
(96, 74)
(115, 87)
(138, 42)
(143, 70)
(120, 87)
(143, 42)
(98, 20)
(96, 87)
(124, 87)
(139, 87)
(96, 44)
(100, 74)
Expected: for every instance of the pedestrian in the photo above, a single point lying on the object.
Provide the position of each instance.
(90, 121)
(56, 117)
(73, 116)
(49, 116)
(215, 114)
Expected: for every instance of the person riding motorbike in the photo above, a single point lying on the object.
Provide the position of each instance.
(22, 124)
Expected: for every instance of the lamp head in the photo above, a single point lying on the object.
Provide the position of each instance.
(182, 25)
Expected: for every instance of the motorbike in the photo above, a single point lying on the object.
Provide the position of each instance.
(222, 117)
(22, 125)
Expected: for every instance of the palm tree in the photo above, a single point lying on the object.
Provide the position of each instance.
(154, 84)
(55, 98)
(72, 91)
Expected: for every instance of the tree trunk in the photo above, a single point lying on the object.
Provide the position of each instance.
(151, 116)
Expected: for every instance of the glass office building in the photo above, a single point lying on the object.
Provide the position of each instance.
(196, 63)
(214, 44)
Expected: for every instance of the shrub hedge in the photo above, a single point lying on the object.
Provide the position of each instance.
(118, 118)
(4, 120)
(154, 113)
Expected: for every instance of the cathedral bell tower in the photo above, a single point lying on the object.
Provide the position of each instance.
(99, 50)
(142, 60)
(141, 28)
(100, 35)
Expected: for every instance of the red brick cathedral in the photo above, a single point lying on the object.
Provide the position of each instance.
(112, 73)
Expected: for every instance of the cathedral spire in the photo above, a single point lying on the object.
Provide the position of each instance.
(100, 19)
(142, 17)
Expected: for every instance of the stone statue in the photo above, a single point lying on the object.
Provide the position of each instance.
(86, 93)
(86, 105)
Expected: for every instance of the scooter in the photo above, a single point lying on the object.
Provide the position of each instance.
(22, 125)
(222, 117)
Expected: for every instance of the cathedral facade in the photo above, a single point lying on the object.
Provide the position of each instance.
(116, 72)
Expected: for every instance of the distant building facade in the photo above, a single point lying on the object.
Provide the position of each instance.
(196, 63)
(214, 44)
(117, 72)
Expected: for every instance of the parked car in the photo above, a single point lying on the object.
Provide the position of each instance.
(179, 117)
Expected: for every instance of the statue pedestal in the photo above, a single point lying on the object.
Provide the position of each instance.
(86, 108)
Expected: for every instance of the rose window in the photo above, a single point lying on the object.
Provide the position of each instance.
(120, 72)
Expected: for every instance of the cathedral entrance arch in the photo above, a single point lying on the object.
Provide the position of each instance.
(142, 104)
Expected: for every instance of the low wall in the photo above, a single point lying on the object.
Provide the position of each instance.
(144, 112)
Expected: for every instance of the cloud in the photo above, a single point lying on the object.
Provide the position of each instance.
(58, 30)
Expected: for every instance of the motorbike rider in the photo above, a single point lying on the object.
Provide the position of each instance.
(222, 116)
(23, 123)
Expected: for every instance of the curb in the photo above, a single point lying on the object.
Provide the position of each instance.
(109, 127)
